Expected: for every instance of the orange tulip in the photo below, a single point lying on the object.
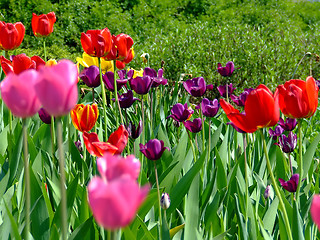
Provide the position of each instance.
(298, 98)
(261, 110)
(84, 117)
(95, 147)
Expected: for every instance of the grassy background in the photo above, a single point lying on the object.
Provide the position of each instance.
(266, 39)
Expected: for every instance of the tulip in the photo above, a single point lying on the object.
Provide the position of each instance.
(121, 47)
(298, 98)
(42, 25)
(276, 133)
(141, 85)
(315, 210)
(20, 63)
(18, 93)
(235, 127)
(108, 80)
(84, 117)
(112, 167)
(260, 110)
(78, 145)
(87, 61)
(196, 87)
(292, 184)
(44, 116)
(210, 108)
(288, 144)
(227, 70)
(156, 78)
(193, 126)
(95, 147)
(153, 149)
(289, 124)
(223, 90)
(96, 43)
(11, 35)
(114, 204)
(90, 76)
(240, 101)
(267, 192)
(135, 131)
(57, 88)
(180, 112)
(126, 99)
(119, 139)
(165, 201)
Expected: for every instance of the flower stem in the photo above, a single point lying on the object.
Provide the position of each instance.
(64, 225)
(203, 133)
(246, 174)
(158, 190)
(53, 137)
(142, 136)
(26, 177)
(116, 93)
(92, 95)
(209, 142)
(283, 209)
(6, 54)
(300, 167)
(44, 50)
(104, 104)
(193, 150)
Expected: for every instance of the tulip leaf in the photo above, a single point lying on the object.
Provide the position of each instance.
(15, 159)
(221, 173)
(14, 225)
(82, 231)
(308, 155)
(270, 216)
(297, 225)
(173, 231)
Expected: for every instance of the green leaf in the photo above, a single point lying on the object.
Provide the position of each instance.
(173, 231)
(270, 216)
(165, 230)
(81, 232)
(14, 226)
(308, 156)
(221, 173)
(297, 225)
(15, 159)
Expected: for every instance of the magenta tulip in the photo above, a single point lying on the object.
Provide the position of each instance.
(57, 88)
(315, 210)
(18, 93)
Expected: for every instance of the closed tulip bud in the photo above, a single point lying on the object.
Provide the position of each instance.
(44, 116)
(165, 201)
(84, 117)
(135, 131)
(42, 25)
(266, 193)
(11, 35)
(153, 149)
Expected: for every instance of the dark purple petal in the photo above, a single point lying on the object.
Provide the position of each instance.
(289, 124)
(223, 90)
(90, 76)
(44, 116)
(153, 149)
(193, 126)
(196, 87)
(227, 70)
(290, 185)
(210, 108)
(141, 85)
(180, 112)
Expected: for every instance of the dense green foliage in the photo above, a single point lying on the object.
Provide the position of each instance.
(266, 39)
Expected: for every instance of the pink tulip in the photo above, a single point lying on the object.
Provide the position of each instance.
(115, 197)
(19, 95)
(114, 166)
(315, 210)
(57, 88)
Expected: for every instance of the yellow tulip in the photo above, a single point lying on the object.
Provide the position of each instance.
(87, 61)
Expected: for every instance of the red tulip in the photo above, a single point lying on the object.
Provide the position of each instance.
(11, 35)
(119, 139)
(261, 110)
(95, 147)
(96, 43)
(20, 63)
(298, 98)
(42, 25)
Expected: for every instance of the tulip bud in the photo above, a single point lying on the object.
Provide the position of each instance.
(267, 192)
(165, 201)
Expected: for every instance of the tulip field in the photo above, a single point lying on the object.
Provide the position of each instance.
(109, 145)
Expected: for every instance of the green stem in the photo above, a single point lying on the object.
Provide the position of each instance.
(227, 92)
(193, 150)
(116, 93)
(142, 137)
(283, 209)
(104, 102)
(158, 190)
(246, 174)
(300, 167)
(203, 133)
(26, 177)
(92, 95)
(53, 137)
(151, 109)
(209, 141)
(113, 235)
(44, 49)
(64, 225)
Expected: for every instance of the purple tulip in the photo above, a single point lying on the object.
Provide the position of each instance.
(289, 143)
(141, 85)
(193, 126)
(134, 131)
(235, 127)
(180, 112)
(276, 133)
(210, 108)
(267, 192)
(90, 76)
(289, 124)
(78, 145)
(108, 80)
(44, 116)
(126, 99)
(223, 90)
(159, 80)
(227, 70)
(196, 86)
(290, 185)
(239, 101)
(153, 149)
